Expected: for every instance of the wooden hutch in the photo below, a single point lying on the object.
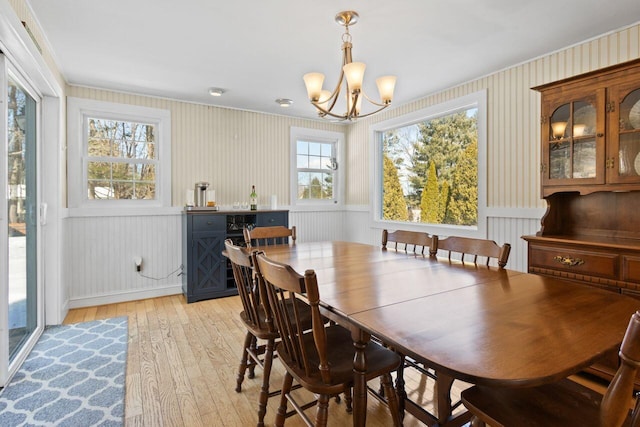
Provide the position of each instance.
(590, 175)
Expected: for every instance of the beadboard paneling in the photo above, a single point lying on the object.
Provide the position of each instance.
(319, 225)
(100, 251)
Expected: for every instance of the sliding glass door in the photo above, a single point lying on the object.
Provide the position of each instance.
(19, 236)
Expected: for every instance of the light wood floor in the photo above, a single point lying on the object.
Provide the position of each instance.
(182, 364)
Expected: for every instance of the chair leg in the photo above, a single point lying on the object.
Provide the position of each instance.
(322, 410)
(266, 373)
(252, 363)
(243, 362)
(287, 382)
(400, 390)
(348, 400)
(392, 399)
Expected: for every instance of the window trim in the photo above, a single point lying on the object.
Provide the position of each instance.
(78, 109)
(476, 99)
(336, 138)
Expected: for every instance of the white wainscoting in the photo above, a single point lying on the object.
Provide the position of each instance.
(99, 257)
(99, 252)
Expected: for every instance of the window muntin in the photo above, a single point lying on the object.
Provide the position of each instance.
(446, 141)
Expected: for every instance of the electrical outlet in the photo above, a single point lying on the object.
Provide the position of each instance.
(138, 261)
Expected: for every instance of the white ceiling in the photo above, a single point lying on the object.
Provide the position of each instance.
(258, 50)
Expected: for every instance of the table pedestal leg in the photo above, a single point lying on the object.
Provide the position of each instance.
(360, 340)
(443, 396)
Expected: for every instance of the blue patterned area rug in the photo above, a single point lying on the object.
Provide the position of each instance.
(74, 376)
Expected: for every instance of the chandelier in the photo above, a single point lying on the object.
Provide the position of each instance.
(352, 73)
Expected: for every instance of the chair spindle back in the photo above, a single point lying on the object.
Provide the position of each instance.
(282, 285)
(475, 248)
(248, 287)
(409, 241)
(267, 236)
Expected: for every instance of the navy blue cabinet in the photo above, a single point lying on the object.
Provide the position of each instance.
(206, 272)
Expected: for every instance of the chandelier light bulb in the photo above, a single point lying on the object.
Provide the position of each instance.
(354, 72)
(313, 82)
(386, 86)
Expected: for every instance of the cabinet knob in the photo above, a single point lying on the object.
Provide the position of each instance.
(600, 135)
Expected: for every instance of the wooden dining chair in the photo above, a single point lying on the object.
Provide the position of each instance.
(466, 246)
(564, 403)
(257, 318)
(265, 236)
(408, 241)
(320, 360)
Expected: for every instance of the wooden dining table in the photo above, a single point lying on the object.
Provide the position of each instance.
(479, 324)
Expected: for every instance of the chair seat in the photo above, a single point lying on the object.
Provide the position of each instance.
(263, 332)
(562, 404)
(340, 354)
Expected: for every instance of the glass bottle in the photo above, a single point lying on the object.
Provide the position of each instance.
(254, 198)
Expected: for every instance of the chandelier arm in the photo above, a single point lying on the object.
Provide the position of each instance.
(336, 92)
(373, 112)
(329, 113)
(374, 102)
(352, 112)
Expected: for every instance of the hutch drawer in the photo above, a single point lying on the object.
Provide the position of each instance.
(589, 263)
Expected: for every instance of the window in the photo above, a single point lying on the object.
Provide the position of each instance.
(118, 155)
(315, 163)
(430, 169)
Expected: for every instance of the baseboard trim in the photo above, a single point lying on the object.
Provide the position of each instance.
(125, 296)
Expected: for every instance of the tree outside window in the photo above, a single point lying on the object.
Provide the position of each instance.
(430, 170)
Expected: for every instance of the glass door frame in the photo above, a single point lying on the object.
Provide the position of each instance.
(9, 367)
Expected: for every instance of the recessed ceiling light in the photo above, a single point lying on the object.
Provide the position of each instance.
(284, 102)
(216, 91)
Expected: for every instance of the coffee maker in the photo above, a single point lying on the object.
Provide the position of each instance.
(200, 194)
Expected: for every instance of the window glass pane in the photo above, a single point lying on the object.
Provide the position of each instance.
(303, 147)
(326, 150)
(314, 148)
(430, 171)
(303, 161)
(314, 162)
(325, 162)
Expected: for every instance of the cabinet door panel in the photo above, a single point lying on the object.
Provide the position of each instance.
(208, 267)
(573, 150)
(624, 134)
